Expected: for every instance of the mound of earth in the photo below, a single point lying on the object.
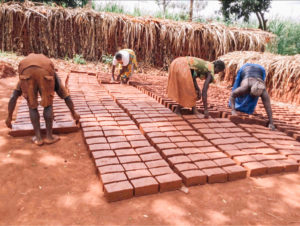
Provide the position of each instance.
(6, 70)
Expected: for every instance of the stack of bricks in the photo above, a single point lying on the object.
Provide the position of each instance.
(283, 144)
(62, 121)
(285, 118)
(127, 163)
(195, 159)
(257, 156)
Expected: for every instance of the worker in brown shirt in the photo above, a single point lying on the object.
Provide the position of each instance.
(37, 75)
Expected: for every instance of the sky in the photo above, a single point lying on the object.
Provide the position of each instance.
(279, 8)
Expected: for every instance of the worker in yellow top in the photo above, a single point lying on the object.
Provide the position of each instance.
(125, 59)
(182, 84)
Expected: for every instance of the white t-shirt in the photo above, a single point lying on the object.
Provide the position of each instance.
(125, 58)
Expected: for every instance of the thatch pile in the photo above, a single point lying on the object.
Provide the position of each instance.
(60, 32)
(282, 72)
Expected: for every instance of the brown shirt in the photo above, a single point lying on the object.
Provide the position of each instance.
(39, 60)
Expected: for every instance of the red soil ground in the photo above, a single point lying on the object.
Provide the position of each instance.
(58, 184)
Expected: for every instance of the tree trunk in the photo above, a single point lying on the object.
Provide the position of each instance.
(264, 21)
(165, 7)
(259, 20)
(191, 9)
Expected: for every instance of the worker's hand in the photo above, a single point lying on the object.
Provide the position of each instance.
(118, 78)
(271, 127)
(233, 112)
(8, 122)
(76, 117)
(112, 78)
(206, 114)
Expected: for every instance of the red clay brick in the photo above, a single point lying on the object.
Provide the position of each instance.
(178, 139)
(118, 191)
(150, 157)
(110, 133)
(116, 139)
(164, 146)
(193, 177)
(106, 161)
(135, 174)
(273, 166)
(160, 171)
(131, 132)
(169, 182)
(129, 159)
(159, 140)
(206, 164)
(97, 140)
(102, 154)
(211, 136)
(184, 167)
(135, 137)
(295, 157)
(224, 162)
(244, 159)
(145, 186)
(99, 147)
(178, 159)
(227, 147)
(119, 145)
(91, 134)
(139, 143)
(235, 172)
(266, 151)
(255, 169)
(156, 163)
(113, 177)
(145, 150)
(134, 166)
(198, 157)
(216, 155)
(171, 152)
(215, 175)
(202, 143)
(156, 134)
(124, 152)
(189, 133)
(208, 149)
(110, 169)
(290, 165)
(188, 151)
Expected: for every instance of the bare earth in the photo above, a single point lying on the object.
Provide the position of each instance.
(58, 185)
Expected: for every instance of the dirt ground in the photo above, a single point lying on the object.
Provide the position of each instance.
(58, 185)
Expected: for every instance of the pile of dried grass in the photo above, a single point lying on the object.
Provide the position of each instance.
(282, 72)
(59, 32)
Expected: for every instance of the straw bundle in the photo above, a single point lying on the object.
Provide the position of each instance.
(59, 32)
(282, 72)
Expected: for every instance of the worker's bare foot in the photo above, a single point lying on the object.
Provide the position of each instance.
(271, 127)
(233, 112)
(206, 114)
(51, 140)
(37, 141)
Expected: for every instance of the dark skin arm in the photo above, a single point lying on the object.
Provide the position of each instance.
(113, 73)
(208, 80)
(198, 91)
(267, 104)
(11, 107)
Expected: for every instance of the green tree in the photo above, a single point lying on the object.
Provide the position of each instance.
(244, 8)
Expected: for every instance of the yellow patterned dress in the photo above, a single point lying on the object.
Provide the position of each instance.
(131, 65)
(200, 67)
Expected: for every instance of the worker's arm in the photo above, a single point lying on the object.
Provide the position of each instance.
(11, 106)
(240, 91)
(113, 73)
(198, 91)
(267, 104)
(208, 80)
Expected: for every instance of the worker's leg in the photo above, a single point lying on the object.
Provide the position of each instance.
(35, 120)
(240, 91)
(177, 110)
(48, 116)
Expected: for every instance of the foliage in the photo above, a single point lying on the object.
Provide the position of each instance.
(164, 4)
(111, 7)
(244, 8)
(78, 59)
(107, 59)
(288, 37)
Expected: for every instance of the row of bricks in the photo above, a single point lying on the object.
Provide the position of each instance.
(217, 130)
(184, 165)
(138, 180)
